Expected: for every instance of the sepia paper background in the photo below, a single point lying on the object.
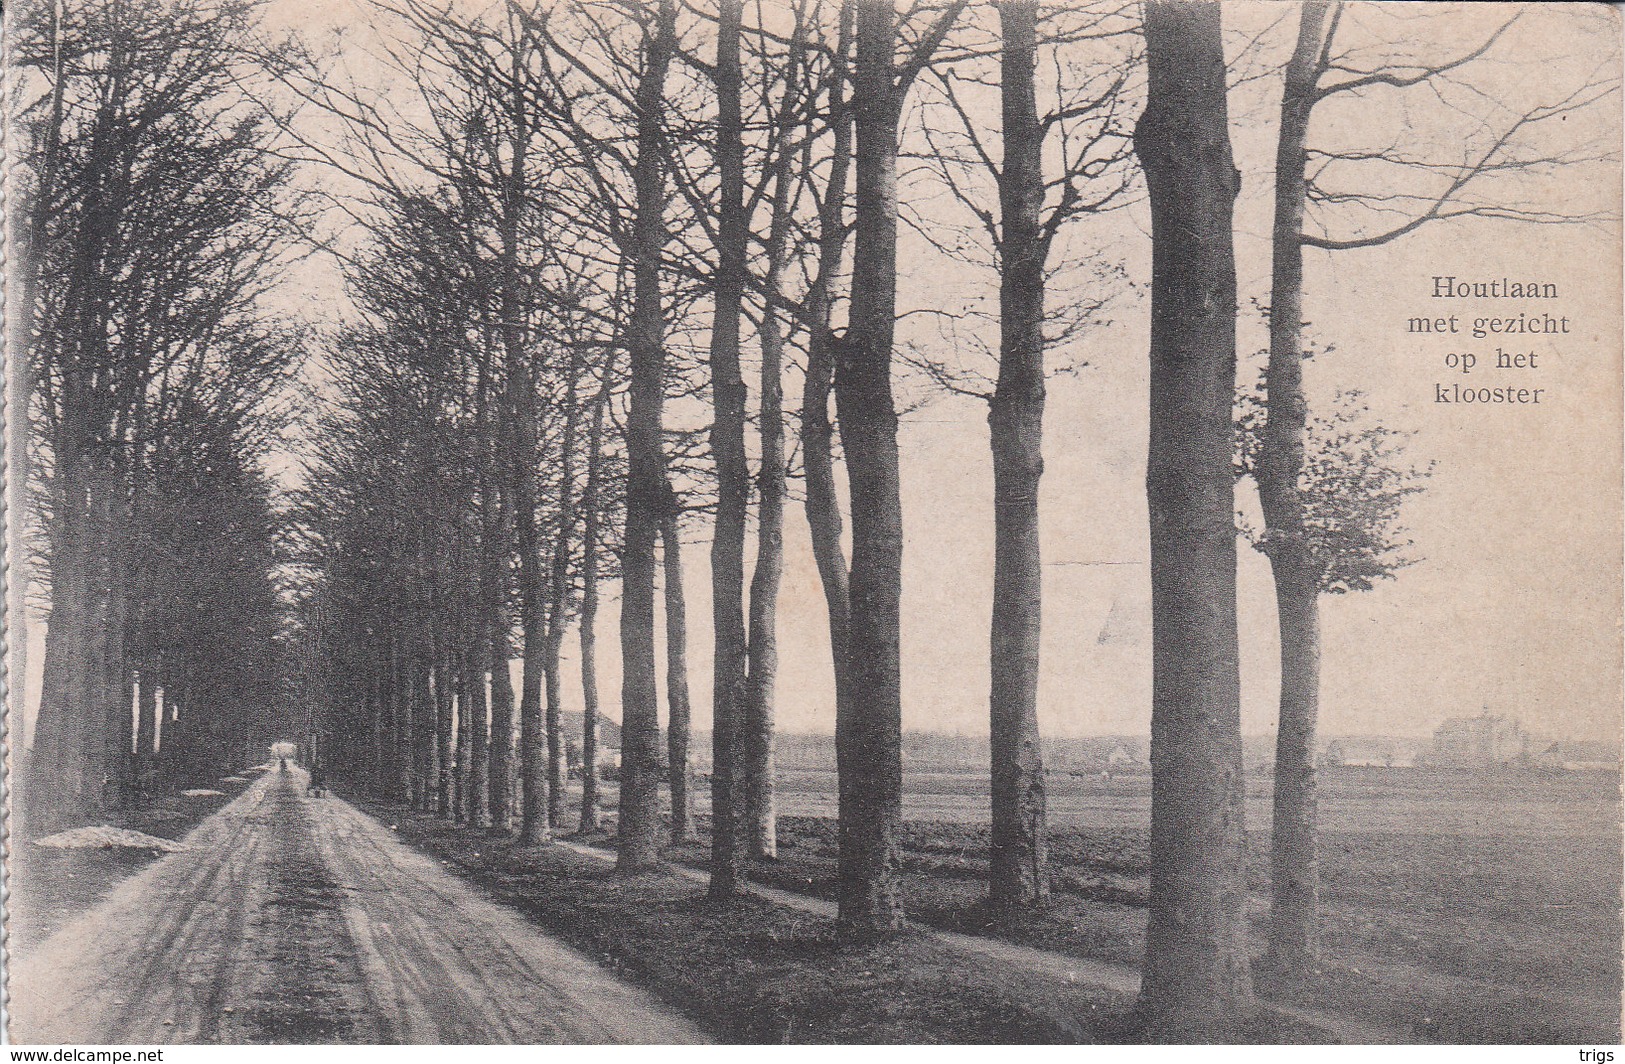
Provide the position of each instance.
(1513, 606)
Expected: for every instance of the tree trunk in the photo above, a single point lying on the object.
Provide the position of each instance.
(400, 715)
(677, 726)
(1019, 876)
(762, 674)
(108, 690)
(590, 504)
(1295, 874)
(60, 776)
(470, 710)
(764, 596)
(499, 757)
(559, 592)
(869, 740)
(638, 844)
(729, 661)
(381, 755)
(428, 736)
(423, 726)
(177, 726)
(554, 734)
(402, 693)
(463, 779)
(1294, 863)
(532, 725)
(146, 717)
(1196, 981)
(534, 828)
(494, 730)
(444, 759)
(502, 761)
(479, 755)
(817, 431)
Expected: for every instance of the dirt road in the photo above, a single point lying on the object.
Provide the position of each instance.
(295, 919)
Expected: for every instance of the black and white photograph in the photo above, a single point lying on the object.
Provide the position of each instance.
(843, 522)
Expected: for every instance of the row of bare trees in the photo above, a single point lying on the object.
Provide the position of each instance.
(626, 201)
(426, 493)
(150, 221)
(723, 163)
(669, 186)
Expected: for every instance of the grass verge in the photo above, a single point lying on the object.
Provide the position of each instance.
(753, 972)
(50, 887)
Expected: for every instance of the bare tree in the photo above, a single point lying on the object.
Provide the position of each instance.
(1378, 195)
(869, 736)
(1086, 131)
(1019, 874)
(590, 544)
(790, 136)
(639, 845)
(730, 661)
(823, 506)
(678, 708)
(1196, 980)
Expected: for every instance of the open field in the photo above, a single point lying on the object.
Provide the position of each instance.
(1358, 800)
(1461, 908)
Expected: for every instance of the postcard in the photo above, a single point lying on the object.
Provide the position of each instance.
(812, 521)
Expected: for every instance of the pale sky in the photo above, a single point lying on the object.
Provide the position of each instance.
(1516, 607)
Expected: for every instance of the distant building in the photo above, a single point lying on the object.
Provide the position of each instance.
(1478, 742)
(1581, 756)
(1121, 755)
(1369, 751)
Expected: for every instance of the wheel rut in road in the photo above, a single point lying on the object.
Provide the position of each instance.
(290, 919)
